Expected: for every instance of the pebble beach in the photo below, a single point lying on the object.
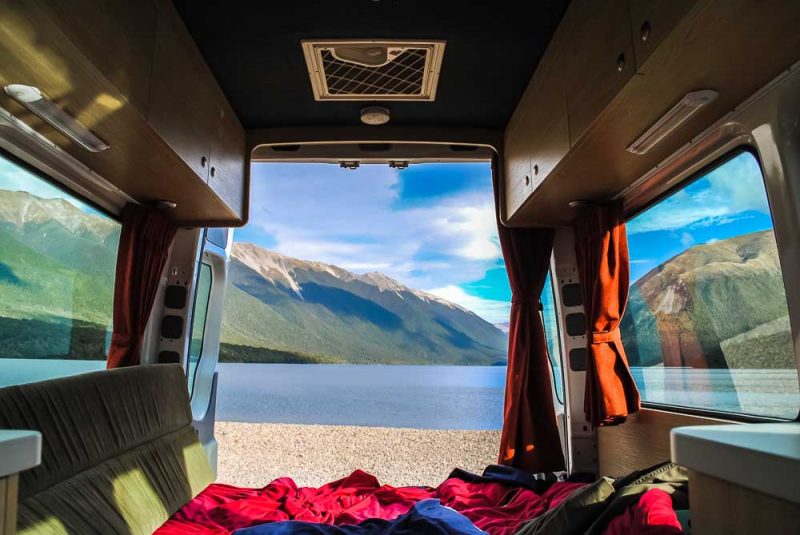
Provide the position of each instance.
(253, 454)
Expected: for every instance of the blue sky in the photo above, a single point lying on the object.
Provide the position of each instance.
(16, 178)
(430, 226)
(729, 201)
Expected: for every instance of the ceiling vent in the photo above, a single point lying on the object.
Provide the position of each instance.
(373, 69)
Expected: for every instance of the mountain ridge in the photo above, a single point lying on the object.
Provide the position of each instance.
(323, 311)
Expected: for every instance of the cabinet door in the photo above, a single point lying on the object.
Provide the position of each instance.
(651, 22)
(117, 36)
(182, 100)
(517, 166)
(598, 57)
(547, 122)
(228, 161)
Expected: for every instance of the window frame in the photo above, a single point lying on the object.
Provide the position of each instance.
(557, 379)
(193, 378)
(666, 193)
(42, 175)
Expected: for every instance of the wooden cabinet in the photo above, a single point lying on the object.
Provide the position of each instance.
(598, 56)
(117, 36)
(651, 22)
(517, 169)
(537, 137)
(191, 114)
(182, 106)
(227, 174)
(132, 74)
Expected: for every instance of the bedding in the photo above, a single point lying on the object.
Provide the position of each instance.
(502, 501)
(498, 508)
(428, 517)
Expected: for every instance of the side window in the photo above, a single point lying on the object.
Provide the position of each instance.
(707, 325)
(199, 315)
(550, 320)
(57, 264)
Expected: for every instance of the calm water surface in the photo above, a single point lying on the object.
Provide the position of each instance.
(431, 397)
(427, 397)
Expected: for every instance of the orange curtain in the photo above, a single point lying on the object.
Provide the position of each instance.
(601, 247)
(143, 249)
(530, 440)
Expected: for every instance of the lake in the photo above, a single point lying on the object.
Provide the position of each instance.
(425, 397)
(431, 397)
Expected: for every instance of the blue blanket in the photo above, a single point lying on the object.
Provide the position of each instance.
(427, 517)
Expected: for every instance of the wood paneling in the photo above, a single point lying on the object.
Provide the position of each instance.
(651, 22)
(228, 175)
(182, 105)
(8, 504)
(598, 59)
(517, 169)
(721, 507)
(117, 36)
(642, 441)
(732, 46)
(537, 137)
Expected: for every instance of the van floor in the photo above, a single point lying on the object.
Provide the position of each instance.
(253, 454)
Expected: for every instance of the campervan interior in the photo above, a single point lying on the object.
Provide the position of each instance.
(645, 155)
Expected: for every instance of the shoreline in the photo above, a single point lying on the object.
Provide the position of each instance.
(254, 454)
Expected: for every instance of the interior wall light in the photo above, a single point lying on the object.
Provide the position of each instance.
(670, 121)
(36, 101)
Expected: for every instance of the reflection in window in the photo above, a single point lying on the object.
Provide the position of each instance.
(57, 265)
(202, 295)
(550, 320)
(707, 323)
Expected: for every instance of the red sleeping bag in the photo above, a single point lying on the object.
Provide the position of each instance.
(494, 507)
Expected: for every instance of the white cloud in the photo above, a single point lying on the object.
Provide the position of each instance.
(354, 219)
(734, 188)
(490, 310)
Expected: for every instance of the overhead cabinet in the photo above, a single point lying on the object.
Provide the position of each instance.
(592, 57)
(651, 23)
(599, 62)
(132, 73)
(538, 136)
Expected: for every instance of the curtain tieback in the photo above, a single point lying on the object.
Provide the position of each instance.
(606, 337)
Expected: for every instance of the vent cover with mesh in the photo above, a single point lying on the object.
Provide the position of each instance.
(403, 70)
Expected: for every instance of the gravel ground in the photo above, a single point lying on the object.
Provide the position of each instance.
(252, 455)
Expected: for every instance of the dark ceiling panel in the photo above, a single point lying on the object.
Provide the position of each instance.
(253, 48)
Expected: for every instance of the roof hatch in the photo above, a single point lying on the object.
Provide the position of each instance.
(369, 69)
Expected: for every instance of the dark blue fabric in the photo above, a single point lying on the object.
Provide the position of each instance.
(507, 475)
(427, 517)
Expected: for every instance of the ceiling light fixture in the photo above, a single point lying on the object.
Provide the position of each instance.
(670, 121)
(375, 115)
(34, 100)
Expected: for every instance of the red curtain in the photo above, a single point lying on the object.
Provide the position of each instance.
(530, 439)
(143, 248)
(601, 247)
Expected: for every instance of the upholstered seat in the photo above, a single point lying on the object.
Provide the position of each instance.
(120, 454)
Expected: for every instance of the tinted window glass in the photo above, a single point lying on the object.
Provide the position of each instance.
(57, 264)
(707, 323)
(199, 322)
(550, 320)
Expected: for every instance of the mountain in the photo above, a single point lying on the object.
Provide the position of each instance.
(718, 305)
(56, 277)
(56, 293)
(281, 308)
(503, 326)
